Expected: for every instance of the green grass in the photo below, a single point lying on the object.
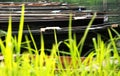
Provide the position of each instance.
(100, 62)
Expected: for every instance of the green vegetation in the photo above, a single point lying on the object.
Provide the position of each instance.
(100, 62)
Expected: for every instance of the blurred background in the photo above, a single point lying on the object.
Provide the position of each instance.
(109, 6)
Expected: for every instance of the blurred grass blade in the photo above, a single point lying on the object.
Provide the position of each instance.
(81, 43)
(8, 51)
(20, 31)
(113, 44)
(2, 33)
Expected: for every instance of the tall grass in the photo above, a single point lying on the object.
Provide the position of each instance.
(99, 62)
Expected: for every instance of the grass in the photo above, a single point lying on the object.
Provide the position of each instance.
(100, 62)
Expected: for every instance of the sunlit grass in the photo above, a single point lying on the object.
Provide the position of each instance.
(100, 62)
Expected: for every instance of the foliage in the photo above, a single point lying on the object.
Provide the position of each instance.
(99, 62)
